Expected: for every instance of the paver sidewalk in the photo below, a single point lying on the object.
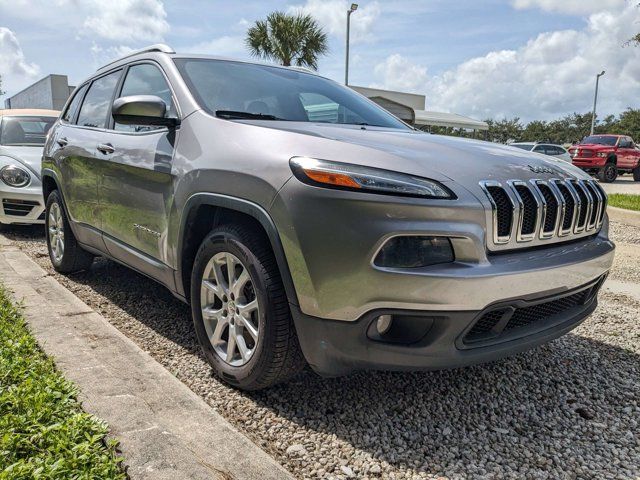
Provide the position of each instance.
(165, 430)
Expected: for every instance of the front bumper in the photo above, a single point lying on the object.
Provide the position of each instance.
(21, 205)
(441, 337)
(589, 163)
(330, 240)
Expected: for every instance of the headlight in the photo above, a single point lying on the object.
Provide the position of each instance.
(345, 176)
(601, 154)
(15, 176)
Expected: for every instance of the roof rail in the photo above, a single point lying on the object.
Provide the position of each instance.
(157, 47)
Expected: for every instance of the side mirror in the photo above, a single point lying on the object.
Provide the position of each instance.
(142, 110)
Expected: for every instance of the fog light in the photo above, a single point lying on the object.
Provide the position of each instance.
(414, 251)
(383, 324)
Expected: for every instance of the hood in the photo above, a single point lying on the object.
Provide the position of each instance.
(29, 157)
(461, 160)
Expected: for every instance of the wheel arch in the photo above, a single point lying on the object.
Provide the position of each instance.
(49, 183)
(204, 211)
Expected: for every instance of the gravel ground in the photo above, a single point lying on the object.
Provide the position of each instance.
(569, 409)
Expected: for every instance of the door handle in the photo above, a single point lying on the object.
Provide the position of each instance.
(106, 148)
(62, 141)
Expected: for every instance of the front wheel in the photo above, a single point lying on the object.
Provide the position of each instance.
(240, 311)
(65, 253)
(608, 173)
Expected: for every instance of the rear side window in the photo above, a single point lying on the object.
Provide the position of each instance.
(95, 107)
(70, 112)
(145, 79)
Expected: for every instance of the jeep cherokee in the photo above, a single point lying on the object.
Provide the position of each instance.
(302, 222)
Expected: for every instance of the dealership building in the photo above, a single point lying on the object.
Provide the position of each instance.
(52, 91)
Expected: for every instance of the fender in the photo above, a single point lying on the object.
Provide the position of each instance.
(249, 208)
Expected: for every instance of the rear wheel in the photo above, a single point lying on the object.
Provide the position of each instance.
(608, 173)
(240, 310)
(65, 253)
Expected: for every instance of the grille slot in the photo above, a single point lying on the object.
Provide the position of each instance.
(541, 211)
(530, 210)
(504, 210)
(584, 205)
(570, 206)
(593, 218)
(18, 208)
(603, 196)
(552, 212)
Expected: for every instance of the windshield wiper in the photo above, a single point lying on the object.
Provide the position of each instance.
(232, 114)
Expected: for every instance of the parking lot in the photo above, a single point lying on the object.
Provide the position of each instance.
(567, 409)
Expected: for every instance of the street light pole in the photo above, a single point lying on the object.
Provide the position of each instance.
(353, 8)
(595, 101)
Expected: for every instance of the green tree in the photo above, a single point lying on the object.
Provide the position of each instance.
(288, 39)
(505, 130)
(628, 124)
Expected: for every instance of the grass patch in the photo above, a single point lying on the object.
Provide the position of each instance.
(44, 434)
(625, 200)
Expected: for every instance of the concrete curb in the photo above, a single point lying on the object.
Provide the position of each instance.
(165, 430)
(621, 215)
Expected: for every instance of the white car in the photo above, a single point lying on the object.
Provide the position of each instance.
(544, 148)
(22, 136)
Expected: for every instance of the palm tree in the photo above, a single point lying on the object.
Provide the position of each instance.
(288, 39)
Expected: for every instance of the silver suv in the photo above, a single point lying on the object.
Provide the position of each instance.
(302, 222)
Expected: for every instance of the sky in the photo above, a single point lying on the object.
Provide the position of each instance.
(533, 59)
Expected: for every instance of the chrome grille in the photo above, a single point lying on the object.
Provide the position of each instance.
(543, 211)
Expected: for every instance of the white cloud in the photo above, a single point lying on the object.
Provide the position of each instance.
(551, 75)
(14, 68)
(127, 20)
(227, 46)
(103, 55)
(112, 20)
(573, 7)
(332, 15)
(398, 73)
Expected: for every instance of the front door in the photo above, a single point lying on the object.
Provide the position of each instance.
(627, 153)
(136, 187)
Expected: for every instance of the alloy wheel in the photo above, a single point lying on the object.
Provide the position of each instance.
(56, 232)
(230, 310)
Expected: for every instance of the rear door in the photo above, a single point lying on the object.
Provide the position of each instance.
(136, 188)
(77, 163)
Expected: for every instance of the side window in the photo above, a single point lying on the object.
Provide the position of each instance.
(93, 112)
(145, 79)
(70, 112)
(538, 149)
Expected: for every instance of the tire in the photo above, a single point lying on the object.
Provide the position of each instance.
(272, 353)
(67, 256)
(608, 173)
(636, 174)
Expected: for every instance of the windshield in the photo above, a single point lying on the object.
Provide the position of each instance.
(599, 140)
(236, 90)
(25, 131)
(523, 146)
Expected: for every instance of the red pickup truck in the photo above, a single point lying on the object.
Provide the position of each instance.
(607, 156)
